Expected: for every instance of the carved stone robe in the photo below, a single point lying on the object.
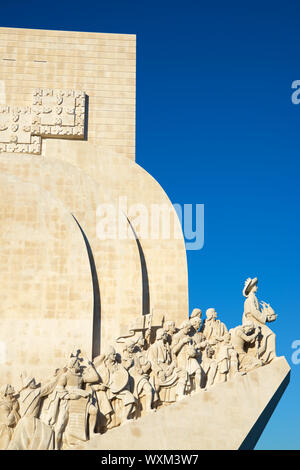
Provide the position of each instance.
(213, 329)
(139, 368)
(227, 361)
(160, 357)
(31, 433)
(8, 420)
(186, 353)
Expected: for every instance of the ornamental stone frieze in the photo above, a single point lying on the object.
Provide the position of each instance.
(53, 114)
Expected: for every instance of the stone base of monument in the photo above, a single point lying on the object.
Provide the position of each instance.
(229, 415)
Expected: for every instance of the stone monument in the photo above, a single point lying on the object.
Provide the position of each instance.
(95, 331)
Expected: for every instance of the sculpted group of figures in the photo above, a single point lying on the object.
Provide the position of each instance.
(157, 365)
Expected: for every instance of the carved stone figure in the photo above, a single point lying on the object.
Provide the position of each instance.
(70, 407)
(227, 360)
(259, 316)
(9, 415)
(196, 320)
(187, 353)
(196, 313)
(115, 383)
(105, 409)
(139, 367)
(31, 432)
(242, 337)
(199, 338)
(212, 328)
(169, 379)
(170, 329)
(209, 365)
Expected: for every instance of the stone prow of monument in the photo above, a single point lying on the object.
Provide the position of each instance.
(95, 329)
(228, 416)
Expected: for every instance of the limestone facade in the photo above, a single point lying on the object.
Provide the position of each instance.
(95, 330)
(102, 65)
(67, 147)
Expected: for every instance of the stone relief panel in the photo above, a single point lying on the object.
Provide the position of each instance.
(58, 113)
(54, 113)
(145, 368)
(16, 131)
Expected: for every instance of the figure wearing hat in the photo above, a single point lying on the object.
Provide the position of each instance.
(265, 349)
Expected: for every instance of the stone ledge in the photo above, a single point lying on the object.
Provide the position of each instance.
(230, 415)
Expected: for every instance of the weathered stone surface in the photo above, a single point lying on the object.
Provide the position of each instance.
(227, 416)
(103, 65)
(43, 260)
(94, 327)
(126, 277)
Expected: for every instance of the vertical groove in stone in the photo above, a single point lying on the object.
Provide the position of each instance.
(145, 279)
(96, 333)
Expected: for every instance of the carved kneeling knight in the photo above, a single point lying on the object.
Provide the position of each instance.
(241, 337)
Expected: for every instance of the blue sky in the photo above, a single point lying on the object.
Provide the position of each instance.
(216, 125)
